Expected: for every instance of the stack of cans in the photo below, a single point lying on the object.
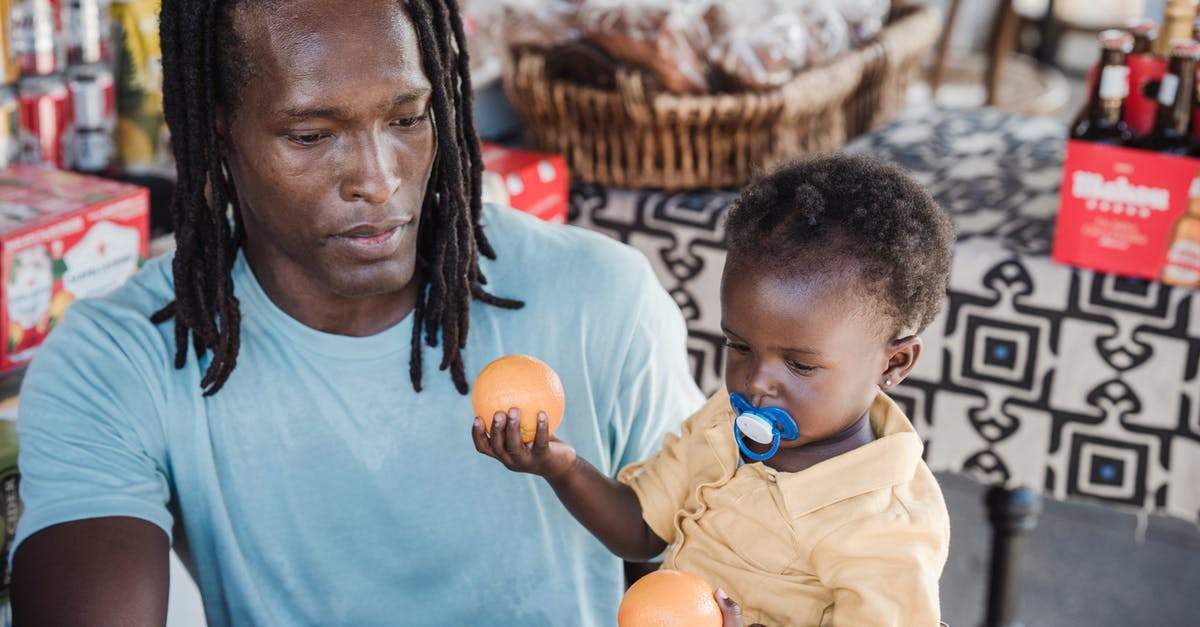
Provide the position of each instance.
(58, 106)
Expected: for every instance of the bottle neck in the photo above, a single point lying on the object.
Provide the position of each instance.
(1110, 111)
(1176, 92)
(1107, 100)
(1178, 19)
(1141, 45)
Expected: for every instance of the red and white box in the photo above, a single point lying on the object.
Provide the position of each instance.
(63, 236)
(529, 181)
(1125, 211)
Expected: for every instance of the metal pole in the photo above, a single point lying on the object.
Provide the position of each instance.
(1013, 513)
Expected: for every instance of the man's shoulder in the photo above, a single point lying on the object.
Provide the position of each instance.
(144, 293)
(119, 319)
(511, 230)
(529, 249)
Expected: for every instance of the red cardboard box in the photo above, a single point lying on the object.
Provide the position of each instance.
(533, 182)
(1125, 211)
(63, 236)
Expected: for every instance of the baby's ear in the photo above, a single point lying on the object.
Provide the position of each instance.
(902, 354)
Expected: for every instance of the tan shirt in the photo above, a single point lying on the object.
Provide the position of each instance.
(859, 539)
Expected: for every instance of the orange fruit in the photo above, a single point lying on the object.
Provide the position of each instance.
(669, 598)
(520, 381)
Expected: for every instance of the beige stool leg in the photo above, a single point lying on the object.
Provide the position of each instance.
(943, 48)
(1004, 40)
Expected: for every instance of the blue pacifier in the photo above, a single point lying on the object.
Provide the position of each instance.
(765, 425)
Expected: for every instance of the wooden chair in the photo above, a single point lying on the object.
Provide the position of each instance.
(1002, 42)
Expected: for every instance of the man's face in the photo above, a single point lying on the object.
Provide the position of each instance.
(811, 347)
(331, 148)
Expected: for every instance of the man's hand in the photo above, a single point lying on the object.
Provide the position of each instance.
(546, 455)
(731, 612)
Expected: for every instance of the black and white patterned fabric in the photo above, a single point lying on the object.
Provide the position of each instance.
(1035, 373)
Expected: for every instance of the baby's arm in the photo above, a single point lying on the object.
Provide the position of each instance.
(608, 509)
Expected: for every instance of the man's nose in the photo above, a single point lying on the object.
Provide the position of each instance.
(372, 174)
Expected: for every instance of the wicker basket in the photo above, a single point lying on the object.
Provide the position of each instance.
(632, 137)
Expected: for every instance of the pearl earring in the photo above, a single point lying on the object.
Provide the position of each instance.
(887, 383)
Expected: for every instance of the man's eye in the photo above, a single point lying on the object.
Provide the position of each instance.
(409, 122)
(306, 139)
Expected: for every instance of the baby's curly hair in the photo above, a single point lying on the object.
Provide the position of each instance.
(840, 212)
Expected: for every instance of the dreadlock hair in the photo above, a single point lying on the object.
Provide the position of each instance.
(838, 214)
(204, 66)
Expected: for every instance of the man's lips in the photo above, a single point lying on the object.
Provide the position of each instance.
(372, 241)
(370, 238)
(370, 231)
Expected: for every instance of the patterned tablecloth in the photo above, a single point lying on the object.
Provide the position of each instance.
(1035, 373)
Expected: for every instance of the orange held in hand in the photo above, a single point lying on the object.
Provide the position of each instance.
(523, 382)
(666, 598)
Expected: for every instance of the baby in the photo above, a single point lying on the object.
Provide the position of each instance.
(798, 490)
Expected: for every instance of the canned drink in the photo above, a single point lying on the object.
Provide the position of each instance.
(85, 29)
(35, 35)
(8, 66)
(92, 150)
(93, 96)
(10, 126)
(142, 138)
(44, 108)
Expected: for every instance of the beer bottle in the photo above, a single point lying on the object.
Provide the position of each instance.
(1178, 19)
(1145, 70)
(1183, 253)
(1172, 132)
(1102, 119)
(1144, 31)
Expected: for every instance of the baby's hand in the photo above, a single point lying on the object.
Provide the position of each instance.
(731, 612)
(546, 455)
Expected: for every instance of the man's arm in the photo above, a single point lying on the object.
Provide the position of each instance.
(98, 571)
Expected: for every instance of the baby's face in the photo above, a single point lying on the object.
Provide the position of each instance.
(809, 346)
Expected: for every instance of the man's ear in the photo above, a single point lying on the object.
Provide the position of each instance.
(902, 354)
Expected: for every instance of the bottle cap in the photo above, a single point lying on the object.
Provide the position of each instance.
(1142, 27)
(1185, 48)
(1116, 39)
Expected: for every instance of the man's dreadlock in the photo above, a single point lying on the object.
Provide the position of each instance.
(203, 66)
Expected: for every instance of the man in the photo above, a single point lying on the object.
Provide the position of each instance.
(263, 401)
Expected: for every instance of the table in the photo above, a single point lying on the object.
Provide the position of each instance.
(1073, 382)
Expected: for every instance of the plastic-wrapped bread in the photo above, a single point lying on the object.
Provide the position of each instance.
(864, 18)
(539, 23)
(667, 38)
(756, 46)
(829, 36)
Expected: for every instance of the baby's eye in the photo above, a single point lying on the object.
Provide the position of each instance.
(736, 347)
(800, 368)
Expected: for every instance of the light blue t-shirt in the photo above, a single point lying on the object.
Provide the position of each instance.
(317, 488)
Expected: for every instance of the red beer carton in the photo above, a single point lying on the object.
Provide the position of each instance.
(63, 236)
(533, 182)
(1129, 212)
